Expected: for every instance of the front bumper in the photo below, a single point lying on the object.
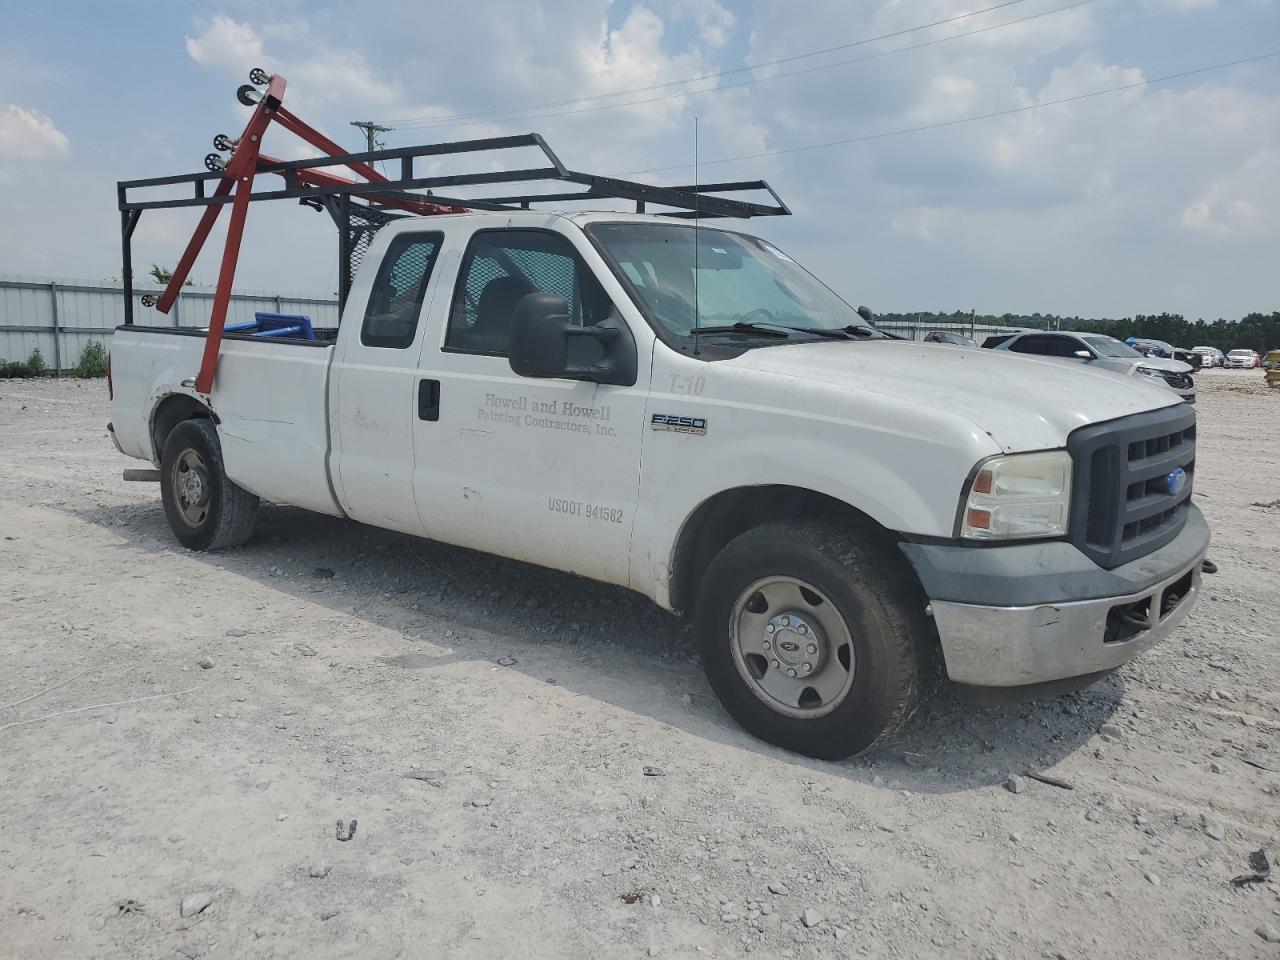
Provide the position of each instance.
(1087, 621)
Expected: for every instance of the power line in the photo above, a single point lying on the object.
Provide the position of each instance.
(431, 121)
(961, 120)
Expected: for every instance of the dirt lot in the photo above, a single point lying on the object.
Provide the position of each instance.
(341, 658)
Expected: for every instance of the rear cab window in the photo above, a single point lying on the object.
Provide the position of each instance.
(395, 302)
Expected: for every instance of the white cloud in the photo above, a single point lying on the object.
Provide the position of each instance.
(226, 44)
(1244, 202)
(946, 98)
(712, 21)
(27, 134)
(318, 76)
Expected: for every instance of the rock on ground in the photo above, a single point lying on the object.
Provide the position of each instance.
(196, 903)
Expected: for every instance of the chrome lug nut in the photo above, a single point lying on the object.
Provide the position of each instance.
(769, 628)
(802, 629)
(791, 671)
(808, 668)
(812, 648)
(767, 645)
(786, 621)
(776, 665)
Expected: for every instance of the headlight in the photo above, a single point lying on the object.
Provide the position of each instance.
(1018, 496)
(1150, 372)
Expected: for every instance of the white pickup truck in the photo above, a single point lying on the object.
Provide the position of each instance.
(683, 410)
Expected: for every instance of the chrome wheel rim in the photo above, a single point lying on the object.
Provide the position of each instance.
(189, 481)
(792, 647)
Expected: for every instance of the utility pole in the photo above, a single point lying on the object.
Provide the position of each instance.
(371, 131)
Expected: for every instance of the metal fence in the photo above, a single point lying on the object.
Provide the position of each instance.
(61, 317)
(916, 331)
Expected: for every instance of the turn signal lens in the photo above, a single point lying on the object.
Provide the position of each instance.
(978, 519)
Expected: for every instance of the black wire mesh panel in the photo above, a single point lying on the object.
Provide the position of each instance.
(551, 269)
(363, 224)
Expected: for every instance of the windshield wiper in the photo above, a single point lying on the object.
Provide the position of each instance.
(762, 329)
(850, 332)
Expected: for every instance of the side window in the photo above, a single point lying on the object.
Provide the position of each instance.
(1032, 344)
(391, 316)
(1067, 346)
(500, 268)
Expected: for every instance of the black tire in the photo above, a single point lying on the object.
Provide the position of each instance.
(888, 633)
(223, 514)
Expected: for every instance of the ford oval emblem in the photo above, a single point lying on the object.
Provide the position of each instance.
(1176, 481)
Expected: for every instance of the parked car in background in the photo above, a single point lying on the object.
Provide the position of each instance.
(1241, 360)
(1210, 356)
(1151, 348)
(1189, 357)
(1099, 350)
(948, 336)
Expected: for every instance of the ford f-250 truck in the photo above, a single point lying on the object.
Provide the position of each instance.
(683, 410)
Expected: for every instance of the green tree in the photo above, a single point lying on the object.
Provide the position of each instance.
(93, 360)
(162, 276)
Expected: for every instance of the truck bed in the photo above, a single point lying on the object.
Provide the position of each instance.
(269, 400)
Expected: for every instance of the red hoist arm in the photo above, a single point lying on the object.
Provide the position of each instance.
(245, 162)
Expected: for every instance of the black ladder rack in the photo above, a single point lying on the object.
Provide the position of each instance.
(359, 208)
(702, 200)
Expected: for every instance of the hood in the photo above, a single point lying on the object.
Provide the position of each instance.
(1022, 402)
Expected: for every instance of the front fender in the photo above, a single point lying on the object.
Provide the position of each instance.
(903, 476)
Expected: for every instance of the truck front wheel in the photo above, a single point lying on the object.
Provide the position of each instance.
(811, 639)
(206, 511)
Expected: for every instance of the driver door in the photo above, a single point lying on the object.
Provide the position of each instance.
(542, 470)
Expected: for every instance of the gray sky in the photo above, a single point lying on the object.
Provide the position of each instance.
(1160, 197)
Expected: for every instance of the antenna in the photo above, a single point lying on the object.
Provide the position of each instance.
(696, 209)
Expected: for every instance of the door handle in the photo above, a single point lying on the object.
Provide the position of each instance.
(428, 399)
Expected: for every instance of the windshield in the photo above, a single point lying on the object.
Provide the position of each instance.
(1110, 347)
(1239, 353)
(732, 279)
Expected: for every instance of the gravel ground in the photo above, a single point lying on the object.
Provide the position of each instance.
(186, 728)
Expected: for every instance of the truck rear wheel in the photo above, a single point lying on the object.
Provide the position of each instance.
(810, 638)
(206, 511)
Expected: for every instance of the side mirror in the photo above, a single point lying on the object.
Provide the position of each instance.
(865, 313)
(1084, 354)
(540, 335)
